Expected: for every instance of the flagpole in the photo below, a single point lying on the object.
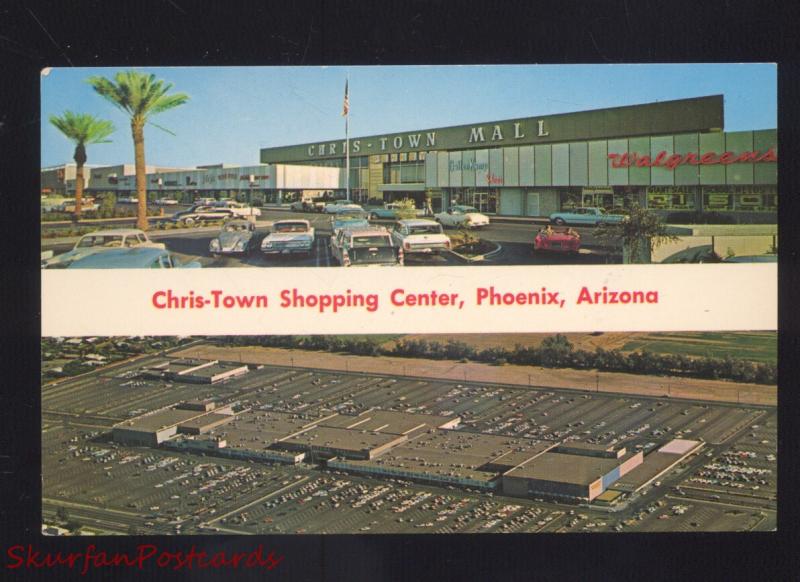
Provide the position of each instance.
(347, 139)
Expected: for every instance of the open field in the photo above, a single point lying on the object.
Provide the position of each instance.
(758, 346)
(711, 390)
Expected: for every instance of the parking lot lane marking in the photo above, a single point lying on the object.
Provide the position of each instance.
(259, 500)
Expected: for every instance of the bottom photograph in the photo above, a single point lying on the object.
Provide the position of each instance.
(373, 434)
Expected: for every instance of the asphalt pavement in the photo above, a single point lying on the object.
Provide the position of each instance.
(514, 237)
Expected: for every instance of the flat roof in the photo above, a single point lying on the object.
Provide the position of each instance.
(341, 438)
(450, 453)
(212, 418)
(160, 420)
(388, 421)
(215, 370)
(564, 468)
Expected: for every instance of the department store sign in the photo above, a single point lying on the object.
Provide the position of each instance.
(671, 161)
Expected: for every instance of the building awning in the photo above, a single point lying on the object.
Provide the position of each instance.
(401, 187)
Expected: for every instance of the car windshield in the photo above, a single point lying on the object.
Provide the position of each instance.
(371, 240)
(425, 229)
(235, 227)
(291, 227)
(465, 209)
(351, 222)
(103, 240)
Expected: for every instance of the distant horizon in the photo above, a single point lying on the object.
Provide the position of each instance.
(223, 124)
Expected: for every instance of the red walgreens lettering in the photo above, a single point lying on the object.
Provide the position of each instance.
(672, 161)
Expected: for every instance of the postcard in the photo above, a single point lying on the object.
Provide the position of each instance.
(566, 319)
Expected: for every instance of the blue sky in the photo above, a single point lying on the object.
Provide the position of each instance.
(235, 111)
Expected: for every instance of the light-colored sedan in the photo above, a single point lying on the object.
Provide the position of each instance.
(166, 202)
(239, 209)
(586, 215)
(99, 242)
(289, 236)
(235, 237)
(462, 217)
(133, 258)
(420, 235)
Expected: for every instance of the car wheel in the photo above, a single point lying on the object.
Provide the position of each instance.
(560, 221)
(188, 221)
(373, 216)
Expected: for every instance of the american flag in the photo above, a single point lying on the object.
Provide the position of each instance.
(346, 107)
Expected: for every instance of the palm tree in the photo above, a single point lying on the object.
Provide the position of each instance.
(82, 129)
(140, 96)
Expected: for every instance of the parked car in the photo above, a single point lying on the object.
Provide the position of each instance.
(420, 235)
(586, 215)
(386, 211)
(340, 208)
(133, 258)
(348, 220)
(369, 247)
(201, 213)
(87, 205)
(239, 209)
(308, 205)
(462, 216)
(235, 237)
(166, 202)
(335, 206)
(101, 241)
(206, 201)
(559, 239)
(289, 236)
(127, 200)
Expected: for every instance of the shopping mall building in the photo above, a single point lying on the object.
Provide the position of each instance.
(670, 156)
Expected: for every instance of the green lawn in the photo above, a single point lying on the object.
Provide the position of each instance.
(754, 346)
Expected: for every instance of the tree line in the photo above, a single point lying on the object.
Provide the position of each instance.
(554, 352)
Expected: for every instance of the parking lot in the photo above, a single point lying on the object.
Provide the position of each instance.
(729, 485)
(515, 240)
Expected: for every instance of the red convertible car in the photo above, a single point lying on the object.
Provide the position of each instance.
(557, 239)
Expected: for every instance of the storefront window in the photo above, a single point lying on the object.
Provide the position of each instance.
(717, 201)
(756, 201)
(670, 199)
(485, 200)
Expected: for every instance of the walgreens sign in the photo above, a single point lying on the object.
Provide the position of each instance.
(672, 161)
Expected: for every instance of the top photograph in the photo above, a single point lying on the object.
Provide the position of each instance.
(259, 167)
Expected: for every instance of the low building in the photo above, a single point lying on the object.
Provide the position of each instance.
(322, 442)
(657, 464)
(152, 429)
(568, 476)
(196, 371)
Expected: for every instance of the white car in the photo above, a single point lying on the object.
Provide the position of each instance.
(462, 216)
(337, 205)
(289, 236)
(239, 209)
(166, 202)
(420, 235)
(348, 209)
(101, 241)
(127, 200)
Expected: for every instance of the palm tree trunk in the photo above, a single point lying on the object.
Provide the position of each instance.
(78, 190)
(137, 128)
(80, 160)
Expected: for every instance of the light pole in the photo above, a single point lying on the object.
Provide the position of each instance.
(597, 382)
